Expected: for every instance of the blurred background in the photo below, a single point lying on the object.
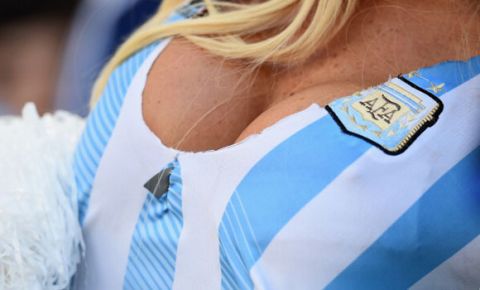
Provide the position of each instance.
(51, 51)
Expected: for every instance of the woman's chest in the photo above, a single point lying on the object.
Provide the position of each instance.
(195, 102)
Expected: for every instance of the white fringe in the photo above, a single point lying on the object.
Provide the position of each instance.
(40, 238)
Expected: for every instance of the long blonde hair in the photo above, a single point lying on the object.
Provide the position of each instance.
(292, 29)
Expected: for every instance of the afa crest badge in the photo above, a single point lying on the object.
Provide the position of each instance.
(390, 116)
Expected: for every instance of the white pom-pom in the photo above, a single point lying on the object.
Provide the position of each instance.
(40, 238)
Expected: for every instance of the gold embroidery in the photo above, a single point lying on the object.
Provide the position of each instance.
(362, 127)
(411, 117)
(433, 87)
(437, 88)
(377, 133)
(413, 74)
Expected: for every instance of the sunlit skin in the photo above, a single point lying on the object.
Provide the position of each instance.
(194, 101)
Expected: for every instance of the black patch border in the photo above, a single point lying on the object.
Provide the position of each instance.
(412, 139)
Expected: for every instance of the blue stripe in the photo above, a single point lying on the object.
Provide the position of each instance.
(88, 164)
(167, 231)
(234, 264)
(274, 191)
(440, 223)
(243, 236)
(163, 274)
(79, 176)
(91, 153)
(110, 94)
(117, 98)
(110, 111)
(96, 135)
(137, 268)
(228, 281)
(451, 73)
(81, 191)
(83, 170)
(153, 251)
(406, 100)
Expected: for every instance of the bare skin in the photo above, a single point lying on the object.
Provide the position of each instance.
(194, 101)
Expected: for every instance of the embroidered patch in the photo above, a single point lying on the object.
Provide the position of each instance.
(390, 116)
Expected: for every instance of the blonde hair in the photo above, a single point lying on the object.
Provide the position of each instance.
(290, 30)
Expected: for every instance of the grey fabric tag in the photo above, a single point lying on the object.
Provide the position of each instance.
(158, 185)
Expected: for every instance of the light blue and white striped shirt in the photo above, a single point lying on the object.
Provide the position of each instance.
(336, 197)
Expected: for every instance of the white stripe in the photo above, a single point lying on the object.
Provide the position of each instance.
(116, 201)
(205, 197)
(355, 209)
(460, 272)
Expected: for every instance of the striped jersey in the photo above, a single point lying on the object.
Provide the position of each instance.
(378, 190)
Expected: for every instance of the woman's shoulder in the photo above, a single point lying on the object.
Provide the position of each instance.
(195, 101)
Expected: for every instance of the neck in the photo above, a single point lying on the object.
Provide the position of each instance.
(383, 39)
